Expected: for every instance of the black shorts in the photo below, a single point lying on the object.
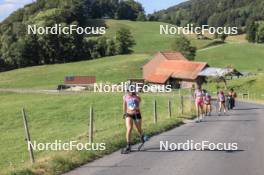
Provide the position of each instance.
(134, 116)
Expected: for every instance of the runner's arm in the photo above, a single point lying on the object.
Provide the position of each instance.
(139, 98)
(124, 107)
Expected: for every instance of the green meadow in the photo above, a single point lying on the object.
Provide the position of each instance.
(111, 69)
(242, 56)
(147, 36)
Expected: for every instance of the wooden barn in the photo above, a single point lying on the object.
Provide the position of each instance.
(174, 69)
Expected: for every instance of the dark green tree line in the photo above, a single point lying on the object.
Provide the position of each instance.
(212, 12)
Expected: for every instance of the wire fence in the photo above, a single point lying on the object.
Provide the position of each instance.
(106, 124)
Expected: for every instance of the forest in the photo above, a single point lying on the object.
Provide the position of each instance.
(215, 13)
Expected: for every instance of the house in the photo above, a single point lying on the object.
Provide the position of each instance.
(174, 69)
(77, 83)
(220, 72)
(79, 80)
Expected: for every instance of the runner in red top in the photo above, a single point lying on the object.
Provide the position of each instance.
(199, 103)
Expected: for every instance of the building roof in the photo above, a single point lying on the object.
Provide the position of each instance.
(181, 69)
(158, 78)
(219, 72)
(171, 64)
(173, 56)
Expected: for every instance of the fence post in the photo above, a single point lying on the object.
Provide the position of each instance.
(169, 108)
(28, 139)
(155, 111)
(182, 106)
(91, 125)
(248, 95)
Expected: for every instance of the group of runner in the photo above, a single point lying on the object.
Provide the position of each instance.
(203, 102)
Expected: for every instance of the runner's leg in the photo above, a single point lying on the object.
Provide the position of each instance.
(138, 124)
(197, 111)
(224, 106)
(201, 112)
(219, 107)
(129, 126)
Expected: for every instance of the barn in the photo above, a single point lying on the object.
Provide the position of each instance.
(174, 69)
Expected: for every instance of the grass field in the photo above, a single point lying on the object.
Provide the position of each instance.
(242, 56)
(111, 69)
(65, 117)
(147, 36)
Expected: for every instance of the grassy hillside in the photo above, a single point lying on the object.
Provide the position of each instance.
(147, 35)
(110, 69)
(243, 56)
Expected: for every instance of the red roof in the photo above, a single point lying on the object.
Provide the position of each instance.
(158, 78)
(171, 64)
(81, 80)
(181, 69)
(173, 56)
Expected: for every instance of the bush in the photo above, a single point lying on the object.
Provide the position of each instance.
(125, 41)
(183, 45)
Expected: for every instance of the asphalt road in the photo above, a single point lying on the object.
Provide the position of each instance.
(244, 126)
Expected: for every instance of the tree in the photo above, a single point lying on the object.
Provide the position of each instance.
(141, 16)
(183, 45)
(124, 40)
(111, 47)
(260, 33)
(129, 9)
(223, 37)
(251, 31)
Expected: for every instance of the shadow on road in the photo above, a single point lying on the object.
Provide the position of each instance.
(106, 166)
(157, 149)
(205, 121)
(246, 109)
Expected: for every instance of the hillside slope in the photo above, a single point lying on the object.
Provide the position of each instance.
(243, 56)
(108, 69)
(147, 35)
